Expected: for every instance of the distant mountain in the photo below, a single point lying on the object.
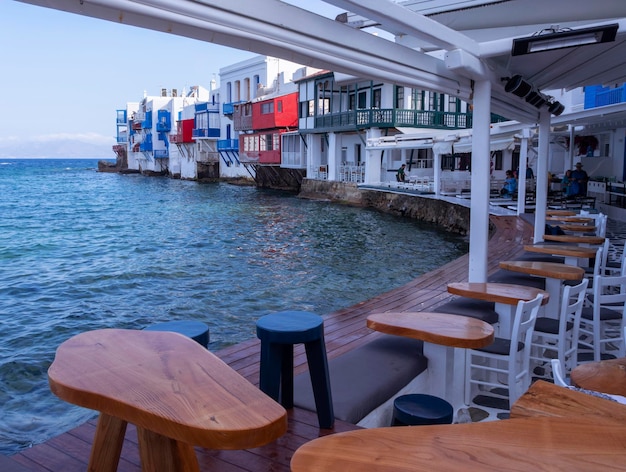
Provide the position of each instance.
(59, 148)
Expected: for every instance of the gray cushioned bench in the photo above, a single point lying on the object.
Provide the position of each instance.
(508, 277)
(366, 377)
(478, 309)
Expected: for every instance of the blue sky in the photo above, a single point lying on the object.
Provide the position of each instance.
(65, 75)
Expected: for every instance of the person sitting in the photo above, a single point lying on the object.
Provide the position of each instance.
(400, 175)
(566, 184)
(510, 185)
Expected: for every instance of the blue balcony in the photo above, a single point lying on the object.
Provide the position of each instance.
(164, 123)
(121, 117)
(229, 108)
(599, 96)
(161, 154)
(228, 145)
(205, 132)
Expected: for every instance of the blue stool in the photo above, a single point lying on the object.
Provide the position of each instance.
(278, 333)
(419, 409)
(195, 330)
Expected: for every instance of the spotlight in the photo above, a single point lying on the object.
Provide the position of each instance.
(536, 99)
(517, 86)
(556, 108)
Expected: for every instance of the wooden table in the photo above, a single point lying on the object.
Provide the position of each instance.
(546, 399)
(554, 274)
(568, 443)
(607, 376)
(560, 213)
(571, 238)
(504, 296)
(570, 219)
(578, 228)
(570, 252)
(441, 333)
(176, 392)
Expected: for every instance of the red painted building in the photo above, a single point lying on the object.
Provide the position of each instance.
(259, 140)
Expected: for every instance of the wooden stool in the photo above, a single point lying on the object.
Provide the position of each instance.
(278, 333)
(195, 330)
(421, 409)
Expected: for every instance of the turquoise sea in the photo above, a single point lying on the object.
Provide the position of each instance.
(82, 250)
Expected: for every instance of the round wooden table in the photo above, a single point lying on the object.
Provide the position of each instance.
(607, 376)
(441, 333)
(504, 296)
(554, 274)
(571, 238)
(571, 252)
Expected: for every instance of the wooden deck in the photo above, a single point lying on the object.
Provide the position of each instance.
(344, 330)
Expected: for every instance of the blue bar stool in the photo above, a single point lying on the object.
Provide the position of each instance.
(420, 409)
(195, 330)
(278, 333)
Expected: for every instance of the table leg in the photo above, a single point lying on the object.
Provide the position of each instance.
(446, 369)
(165, 454)
(107, 444)
(553, 287)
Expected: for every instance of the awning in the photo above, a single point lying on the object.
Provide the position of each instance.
(496, 144)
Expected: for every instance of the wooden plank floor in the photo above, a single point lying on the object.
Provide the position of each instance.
(344, 330)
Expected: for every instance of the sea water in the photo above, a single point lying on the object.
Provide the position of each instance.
(83, 250)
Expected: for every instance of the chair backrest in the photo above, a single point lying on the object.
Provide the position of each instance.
(519, 359)
(610, 292)
(557, 373)
(601, 221)
(572, 302)
(605, 256)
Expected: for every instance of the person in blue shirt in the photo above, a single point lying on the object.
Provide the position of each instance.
(579, 181)
(510, 185)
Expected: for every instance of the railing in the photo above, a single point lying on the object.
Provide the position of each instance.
(161, 154)
(391, 117)
(598, 96)
(228, 145)
(205, 132)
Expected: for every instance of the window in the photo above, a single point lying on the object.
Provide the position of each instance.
(362, 100)
(279, 106)
(376, 98)
(399, 96)
(324, 106)
(267, 108)
(351, 101)
(417, 100)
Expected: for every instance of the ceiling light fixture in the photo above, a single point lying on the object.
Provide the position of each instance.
(558, 39)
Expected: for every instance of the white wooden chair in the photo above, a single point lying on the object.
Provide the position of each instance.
(557, 374)
(505, 358)
(560, 333)
(602, 323)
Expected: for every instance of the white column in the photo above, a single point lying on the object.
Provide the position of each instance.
(437, 173)
(542, 175)
(373, 159)
(333, 156)
(521, 178)
(479, 213)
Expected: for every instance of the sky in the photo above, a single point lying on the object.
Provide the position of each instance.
(64, 75)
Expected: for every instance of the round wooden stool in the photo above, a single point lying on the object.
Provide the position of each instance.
(420, 409)
(195, 330)
(278, 333)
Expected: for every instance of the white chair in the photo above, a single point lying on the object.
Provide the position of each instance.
(557, 374)
(558, 333)
(602, 323)
(505, 358)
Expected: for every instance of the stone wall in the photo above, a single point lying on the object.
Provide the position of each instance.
(451, 217)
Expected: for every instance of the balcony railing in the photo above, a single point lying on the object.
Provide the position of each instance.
(598, 96)
(161, 154)
(392, 118)
(228, 145)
